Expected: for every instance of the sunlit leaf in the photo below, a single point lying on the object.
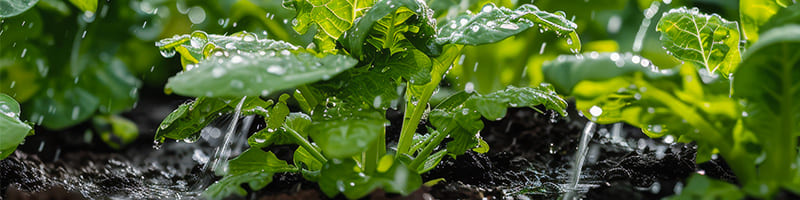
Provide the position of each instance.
(332, 18)
(708, 40)
(256, 160)
(755, 13)
(385, 25)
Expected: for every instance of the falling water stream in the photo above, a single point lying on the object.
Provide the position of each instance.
(580, 157)
(217, 163)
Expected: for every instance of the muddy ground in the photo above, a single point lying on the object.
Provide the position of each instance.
(530, 158)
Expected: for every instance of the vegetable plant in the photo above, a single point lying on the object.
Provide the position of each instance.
(14, 130)
(366, 57)
(733, 99)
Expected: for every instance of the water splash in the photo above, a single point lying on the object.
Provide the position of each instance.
(580, 157)
(222, 153)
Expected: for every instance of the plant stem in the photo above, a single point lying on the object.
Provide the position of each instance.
(422, 156)
(411, 120)
(303, 142)
(371, 157)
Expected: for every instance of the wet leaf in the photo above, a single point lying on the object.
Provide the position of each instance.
(256, 160)
(493, 24)
(269, 136)
(332, 17)
(199, 45)
(346, 132)
(10, 8)
(254, 74)
(230, 185)
(385, 24)
(14, 130)
(412, 65)
(341, 176)
(708, 40)
(188, 119)
(703, 187)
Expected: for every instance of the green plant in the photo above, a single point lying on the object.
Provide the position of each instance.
(366, 58)
(14, 130)
(741, 107)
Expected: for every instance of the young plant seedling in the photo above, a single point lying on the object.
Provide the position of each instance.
(367, 57)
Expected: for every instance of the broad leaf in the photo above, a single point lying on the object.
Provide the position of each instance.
(332, 17)
(708, 40)
(493, 24)
(788, 15)
(755, 13)
(188, 119)
(769, 79)
(412, 65)
(10, 8)
(256, 160)
(303, 159)
(59, 107)
(269, 136)
(199, 45)
(14, 130)
(385, 25)
(340, 176)
(254, 74)
(342, 132)
(230, 185)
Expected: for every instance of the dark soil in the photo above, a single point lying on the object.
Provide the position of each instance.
(530, 158)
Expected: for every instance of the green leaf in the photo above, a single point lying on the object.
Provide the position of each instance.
(385, 25)
(788, 15)
(85, 5)
(14, 130)
(269, 136)
(256, 160)
(493, 106)
(10, 8)
(432, 161)
(254, 74)
(188, 119)
(755, 13)
(332, 17)
(199, 45)
(708, 40)
(231, 184)
(705, 188)
(462, 125)
(493, 24)
(342, 176)
(113, 85)
(115, 130)
(769, 79)
(566, 71)
(58, 108)
(412, 65)
(342, 132)
(303, 159)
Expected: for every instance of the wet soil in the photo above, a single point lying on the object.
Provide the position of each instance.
(530, 158)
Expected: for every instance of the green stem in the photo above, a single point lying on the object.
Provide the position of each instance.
(422, 156)
(303, 142)
(371, 157)
(411, 120)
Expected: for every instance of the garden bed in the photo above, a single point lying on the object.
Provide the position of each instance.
(531, 156)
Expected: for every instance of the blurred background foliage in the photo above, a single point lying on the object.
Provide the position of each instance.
(68, 61)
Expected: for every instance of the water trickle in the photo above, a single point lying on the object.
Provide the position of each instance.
(222, 153)
(580, 157)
